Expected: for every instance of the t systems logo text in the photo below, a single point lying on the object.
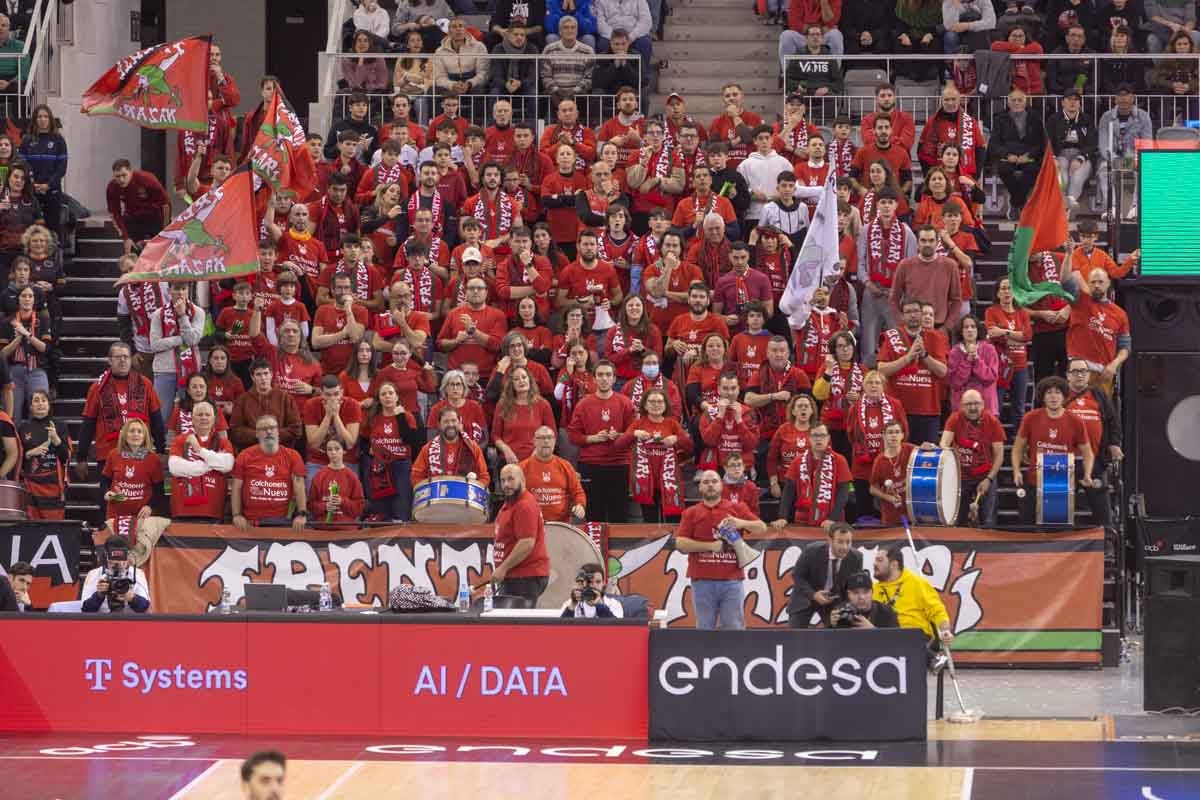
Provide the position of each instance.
(99, 674)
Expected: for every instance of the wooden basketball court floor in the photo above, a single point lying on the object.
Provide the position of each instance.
(990, 760)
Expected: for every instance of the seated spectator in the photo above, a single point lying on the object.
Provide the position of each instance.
(968, 24)
(611, 74)
(12, 70)
(1078, 73)
(812, 76)
(364, 73)
(528, 16)
(801, 15)
(1167, 19)
(357, 122)
(132, 478)
(1025, 73)
(515, 76)
(268, 481)
(450, 453)
(199, 462)
(1119, 130)
(19, 209)
(423, 17)
(632, 17)
(1176, 77)
(1115, 72)
(916, 33)
(26, 342)
(462, 64)
(867, 27)
(264, 400)
(580, 11)
(371, 18)
(96, 583)
(1016, 149)
(569, 72)
(194, 392)
(46, 446)
(1073, 139)
(336, 494)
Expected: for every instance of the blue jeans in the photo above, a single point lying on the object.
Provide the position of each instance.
(25, 382)
(399, 505)
(719, 601)
(1015, 394)
(166, 386)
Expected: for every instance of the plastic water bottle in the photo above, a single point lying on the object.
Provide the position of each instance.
(464, 595)
(326, 597)
(489, 601)
(226, 602)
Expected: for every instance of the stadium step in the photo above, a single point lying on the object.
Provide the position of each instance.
(761, 35)
(693, 85)
(716, 70)
(93, 246)
(88, 283)
(716, 18)
(94, 309)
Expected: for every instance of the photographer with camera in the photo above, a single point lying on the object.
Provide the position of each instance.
(117, 585)
(860, 611)
(588, 599)
(819, 577)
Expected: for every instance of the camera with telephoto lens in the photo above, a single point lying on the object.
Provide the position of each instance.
(117, 575)
(587, 594)
(847, 614)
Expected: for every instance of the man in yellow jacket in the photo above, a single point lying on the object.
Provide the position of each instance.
(914, 600)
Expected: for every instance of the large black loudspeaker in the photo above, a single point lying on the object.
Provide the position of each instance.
(1162, 397)
(1172, 652)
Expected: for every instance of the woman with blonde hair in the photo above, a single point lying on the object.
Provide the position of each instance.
(133, 474)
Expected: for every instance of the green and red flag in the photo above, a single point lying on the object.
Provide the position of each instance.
(279, 155)
(215, 237)
(1043, 226)
(163, 87)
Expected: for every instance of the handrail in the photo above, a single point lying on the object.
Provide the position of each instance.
(333, 42)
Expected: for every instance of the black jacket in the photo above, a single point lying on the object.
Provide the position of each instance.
(364, 128)
(1062, 74)
(1110, 426)
(608, 76)
(1007, 141)
(867, 15)
(741, 202)
(881, 616)
(8, 598)
(1079, 134)
(810, 572)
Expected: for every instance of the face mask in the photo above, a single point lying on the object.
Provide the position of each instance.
(650, 371)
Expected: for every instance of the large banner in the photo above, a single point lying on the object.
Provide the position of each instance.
(164, 86)
(1032, 598)
(787, 686)
(339, 674)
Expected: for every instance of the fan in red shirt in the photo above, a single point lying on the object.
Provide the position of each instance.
(285, 307)
(268, 480)
(651, 378)
(393, 435)
(338, 326)
(713, 568)
(660, 445)
(634, 335)
(389, 170)
(519, 413)
(883, 149)
(137, 202)
(625, 128)
(299, 247)
(1048, 429)
(521, 563)
(400, 322)
(330, 415)
(599, 419)
(553, 480)
(771, 388)
(865, 423)
(558, 197)
(334, 215)
(569, 131)
(818, 485)
(749, 348)
(472, 331)
(524, 274)
(728, 426)
(739, 287)
(687, 331)
(532, 164)
(889, 474)
(812, 341)
(1010, 330)
(496, 210)
(336, 494)
(794, 131)
(233, 327)
(367, 281)
(915, 362)
(692, 209)
(346, 165)
(588, 281)
(700, 386)
(734, 125)
(196, 391)
(1098, 330)
(295, 370)
(666, 281)
(656, 176)
(199, 464)
(224, 387)
(736, 487)
(790, 441)
(618, 245)
(450, 453)
(978, 440)
(133, 473)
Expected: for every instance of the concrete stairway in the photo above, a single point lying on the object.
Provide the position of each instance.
(708, 42)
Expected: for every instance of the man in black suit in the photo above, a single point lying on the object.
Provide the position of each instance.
(820, 575)
(1016, 148)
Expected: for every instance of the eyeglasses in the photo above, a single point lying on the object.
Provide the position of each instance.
(1078, 371)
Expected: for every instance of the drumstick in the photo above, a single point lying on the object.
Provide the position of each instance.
(889, 484)
(908, 533)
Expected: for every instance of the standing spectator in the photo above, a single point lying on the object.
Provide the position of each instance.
(978, 439)
(462, 63)
(579, 10)
(968, 24)
(1098, 328)
(917, 359)
(137, 202)
(393, 435)
(224, 387)
(1016, 148)
(569, 69)
(423, 17)
(364, 72)
(1073, 139)
(932, 278)
(953, 125)
(1167, 19)
(263, 400)
(268, 481)
(115, 398)
(449, 452)
(882, 245)
(330, 415)
(132, 478)
(761, 169)
(660, 445)
(371, 18)
(46, 446)
(175, 331)
(739, 287)
(196, 391)
(472, 331)
(337, 327)
(25, 343)
(1078, 73)
(46, 269)
(199, 462)
(598, 421)
(18, 210)
(553, 480)
(866, 425)
(1009, 330)
(519, 413)
(45, 150)
(973, 365)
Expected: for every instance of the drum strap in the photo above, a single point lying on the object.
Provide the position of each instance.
(891, 601)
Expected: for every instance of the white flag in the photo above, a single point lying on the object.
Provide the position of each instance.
(818, 257)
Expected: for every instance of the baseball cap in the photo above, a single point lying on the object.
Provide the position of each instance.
(472, 254)
(1072, 92)
(859, 580)
(674, 96)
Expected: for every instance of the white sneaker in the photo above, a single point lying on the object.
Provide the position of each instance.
(1132, 213)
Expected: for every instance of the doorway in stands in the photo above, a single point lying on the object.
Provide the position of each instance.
(295, 34)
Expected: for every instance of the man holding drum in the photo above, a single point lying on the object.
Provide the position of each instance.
(521, 563)
(1091, 406)
(978, 439)
(450, 453)
(1048, 430)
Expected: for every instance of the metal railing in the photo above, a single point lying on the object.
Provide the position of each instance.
(594, 109)
(922, 98)
(38, 50)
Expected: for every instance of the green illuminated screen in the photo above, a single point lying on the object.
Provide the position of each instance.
(1170, 224)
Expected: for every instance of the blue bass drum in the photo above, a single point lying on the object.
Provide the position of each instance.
(450, 499)
(1055, 489)
(933, 487)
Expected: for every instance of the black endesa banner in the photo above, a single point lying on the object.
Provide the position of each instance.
(787, 685)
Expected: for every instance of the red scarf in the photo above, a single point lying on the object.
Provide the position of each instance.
(813, 503)
(873, 442)
(439, 219)
(575, 389)
(651, 460)
(981, 452)
(529, 164)
(385, 175)
(714, 260)
(822, 324)
(422, 285)
(835, 406)
(841, 156)
(437, 457)
(640, 388)
(868, 207)
(143, 300)
(117, 409)
(770, 381)
(882, 264)
(797, 141)
(193, 487)
(495, 218)
(187, 360)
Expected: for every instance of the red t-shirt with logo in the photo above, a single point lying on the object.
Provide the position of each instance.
(207, 499)
(973, 442)
(522, 519)
(267, 481)
(134, 478)
(1086, 409)
(236, 326)
(1093, 329)
(895, 470)
(915, 386)
(699, 522)
(1043, 434)
(331, 319)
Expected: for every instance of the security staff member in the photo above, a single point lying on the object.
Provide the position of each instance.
(522, 565)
